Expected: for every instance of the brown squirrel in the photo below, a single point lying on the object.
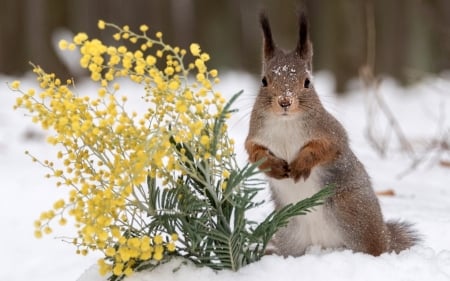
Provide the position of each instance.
(305, 148)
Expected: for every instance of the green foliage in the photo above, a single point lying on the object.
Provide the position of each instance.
(211, 217)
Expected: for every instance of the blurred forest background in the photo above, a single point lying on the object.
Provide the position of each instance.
(401, 38)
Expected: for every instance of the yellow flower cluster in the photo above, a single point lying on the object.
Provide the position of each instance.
(106, 153)
(137, 248)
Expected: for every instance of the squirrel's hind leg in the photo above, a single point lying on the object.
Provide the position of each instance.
(271, 249)
(361, 223)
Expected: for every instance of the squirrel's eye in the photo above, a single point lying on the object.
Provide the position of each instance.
(264, 81)
(307, 83)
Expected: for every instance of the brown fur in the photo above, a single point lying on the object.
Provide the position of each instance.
(315, 152)
(306, 148)
(273, 166)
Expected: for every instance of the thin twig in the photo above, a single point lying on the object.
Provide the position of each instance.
(372, 84)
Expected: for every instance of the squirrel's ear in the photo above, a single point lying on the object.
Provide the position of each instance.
(269, 45)
(304, 46)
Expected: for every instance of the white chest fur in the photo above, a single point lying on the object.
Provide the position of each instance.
(315, 228)
(284, 138)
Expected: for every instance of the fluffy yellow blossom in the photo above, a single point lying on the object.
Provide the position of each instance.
(101, 24)
(71, 47)
(143, 28)
(171, 247)
(200, 64)
(62, 221)
(38, 234)
(204, 57)
(80, 38)
(48, 230)
(63, 44)
(174, 237)
(159, 252)
(59, 204)
(204, 140)
(106, 155)
(213, 73)
(195, 49)
(15, 85)
(104, 268)
(158, 240)
(118, 269)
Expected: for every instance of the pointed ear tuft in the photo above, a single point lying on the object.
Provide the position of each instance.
(304, 48)
(268, 44)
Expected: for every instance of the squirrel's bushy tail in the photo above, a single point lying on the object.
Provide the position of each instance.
(402, 236)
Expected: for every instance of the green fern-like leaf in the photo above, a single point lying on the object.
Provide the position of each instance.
(279, 218)
(211, 220)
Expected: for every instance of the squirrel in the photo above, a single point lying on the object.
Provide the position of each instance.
(305, 149)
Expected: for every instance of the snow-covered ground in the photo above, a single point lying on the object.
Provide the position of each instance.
(421, 196)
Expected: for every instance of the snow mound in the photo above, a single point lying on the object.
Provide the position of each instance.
(418, 263)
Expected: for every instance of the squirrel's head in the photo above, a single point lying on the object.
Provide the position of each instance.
(286, 87)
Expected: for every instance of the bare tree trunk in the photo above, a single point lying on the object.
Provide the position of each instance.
(42, 18)
(183, 20)
(12, 37)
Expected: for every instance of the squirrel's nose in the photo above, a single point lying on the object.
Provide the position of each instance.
(284, 101)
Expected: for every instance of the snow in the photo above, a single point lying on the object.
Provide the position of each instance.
(422, 196)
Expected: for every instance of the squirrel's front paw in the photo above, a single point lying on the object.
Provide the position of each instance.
(275, 167)
(300, 169)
